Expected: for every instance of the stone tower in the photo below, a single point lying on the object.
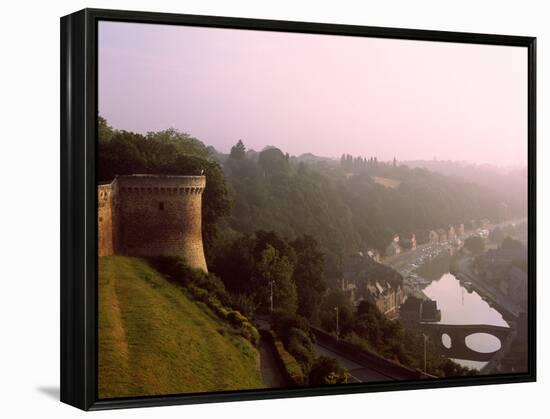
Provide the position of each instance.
(152, 215)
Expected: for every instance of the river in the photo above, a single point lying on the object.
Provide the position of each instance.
(458, 306)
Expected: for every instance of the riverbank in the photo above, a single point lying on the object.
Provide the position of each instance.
(493, 296)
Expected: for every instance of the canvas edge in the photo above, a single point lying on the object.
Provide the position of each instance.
(78, 205)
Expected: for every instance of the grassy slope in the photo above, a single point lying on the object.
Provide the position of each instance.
(154, 340)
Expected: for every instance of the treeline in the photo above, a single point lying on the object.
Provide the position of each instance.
(343, 205)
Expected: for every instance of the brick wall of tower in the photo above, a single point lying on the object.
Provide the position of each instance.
(105, 223)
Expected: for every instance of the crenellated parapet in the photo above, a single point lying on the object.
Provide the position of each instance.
(161, 184)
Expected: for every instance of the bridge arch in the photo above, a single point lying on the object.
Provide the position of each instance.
(476, 342)
(446, 341)
(457, 335)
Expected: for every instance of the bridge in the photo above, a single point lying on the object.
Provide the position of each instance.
(458, 334)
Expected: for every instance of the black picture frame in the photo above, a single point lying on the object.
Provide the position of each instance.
(79, 205)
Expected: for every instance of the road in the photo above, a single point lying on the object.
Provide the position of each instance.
(405, 258)
(359, 373)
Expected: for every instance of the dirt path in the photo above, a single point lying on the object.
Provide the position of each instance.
(269, 368)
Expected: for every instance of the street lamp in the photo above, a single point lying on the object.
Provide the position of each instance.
(337, 327)
(271, 296)
(425, 339)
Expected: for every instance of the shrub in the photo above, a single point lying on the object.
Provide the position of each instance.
(293, 330)
(222, 312)
(327, 371)
(236, 318)
(175, 269)
(293, 370)
(300, 336)
(213, 302)
(198, 293)
(303, 354)
(243, 303)
(249, 332)
(283, 321)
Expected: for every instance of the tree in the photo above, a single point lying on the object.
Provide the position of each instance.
(337, 299)
(234, 263)
(273, 270)
(104, 131)
(475, 244)
(308, 276)
(343, 161)
(327, 371)
(274, 162)
(238, 151)
(182, 142)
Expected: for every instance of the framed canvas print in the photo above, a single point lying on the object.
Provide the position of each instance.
(259, 209)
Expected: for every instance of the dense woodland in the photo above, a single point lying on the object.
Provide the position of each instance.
(269, 218)
(342, 204)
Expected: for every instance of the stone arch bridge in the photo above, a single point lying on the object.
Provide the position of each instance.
(458, 334)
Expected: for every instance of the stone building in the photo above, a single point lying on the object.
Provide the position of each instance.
(365, 279)
(415, 310)
(451, 234)
(433, 237)
(409, 243)
(393, 248)
(442, 234)
(152, 215)
(385, 295)
(374, 255)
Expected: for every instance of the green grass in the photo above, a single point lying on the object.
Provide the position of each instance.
(154, 340)
(386, 181)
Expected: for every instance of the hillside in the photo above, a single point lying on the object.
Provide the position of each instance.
(348, 205)
(154, 340)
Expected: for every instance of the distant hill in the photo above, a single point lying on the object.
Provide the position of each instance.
(154, 340)
(511, 183)
(312, 158)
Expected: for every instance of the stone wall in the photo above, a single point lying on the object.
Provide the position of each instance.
(155, 215)
(105, 220)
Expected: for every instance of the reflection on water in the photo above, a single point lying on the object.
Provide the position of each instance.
(458, 306)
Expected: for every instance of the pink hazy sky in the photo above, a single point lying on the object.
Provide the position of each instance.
(322, 94)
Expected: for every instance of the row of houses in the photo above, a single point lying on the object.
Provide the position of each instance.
(450, 234)
(366, 279)
(385, 295)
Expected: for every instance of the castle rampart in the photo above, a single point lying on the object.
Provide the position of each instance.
(151, 215)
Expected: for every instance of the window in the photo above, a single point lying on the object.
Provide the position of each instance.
(161, 206)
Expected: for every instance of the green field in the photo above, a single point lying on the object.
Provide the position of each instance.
(387, 182)
(154, 340)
